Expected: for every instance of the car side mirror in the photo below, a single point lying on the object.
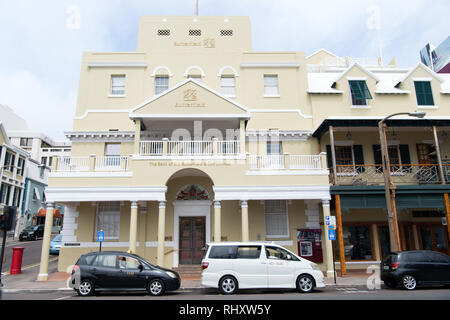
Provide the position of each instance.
(141, 267)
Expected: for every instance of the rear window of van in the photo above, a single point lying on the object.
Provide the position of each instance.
(223, 252)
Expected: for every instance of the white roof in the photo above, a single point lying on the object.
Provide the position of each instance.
(322, 82)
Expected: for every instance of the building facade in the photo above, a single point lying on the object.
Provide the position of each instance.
(196, 138)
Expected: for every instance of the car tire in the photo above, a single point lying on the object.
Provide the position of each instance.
(156, 287)
(408, 282)
(228, 285)
(305, 283)
(86, 288)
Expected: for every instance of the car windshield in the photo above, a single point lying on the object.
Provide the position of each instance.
(58, 238)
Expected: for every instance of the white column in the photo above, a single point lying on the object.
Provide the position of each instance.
(43, 271)
(328, 246)
(133, 226)
(244, 220)
(217, 222)
(161, 232)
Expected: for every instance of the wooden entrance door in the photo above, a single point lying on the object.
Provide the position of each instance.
(192, 239)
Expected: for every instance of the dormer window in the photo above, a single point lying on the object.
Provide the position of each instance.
(424, 94)
(360, 92)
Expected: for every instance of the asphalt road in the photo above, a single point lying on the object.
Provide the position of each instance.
(328, 293)
(31, 253)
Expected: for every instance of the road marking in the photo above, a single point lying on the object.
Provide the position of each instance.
(351, 290)
(62, 298)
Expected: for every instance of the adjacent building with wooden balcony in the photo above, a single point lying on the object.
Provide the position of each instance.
(197, 138)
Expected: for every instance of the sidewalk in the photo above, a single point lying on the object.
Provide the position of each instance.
(57, 281)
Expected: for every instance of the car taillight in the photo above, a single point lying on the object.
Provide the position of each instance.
(205, 265)
(394, 266)
(75, 268)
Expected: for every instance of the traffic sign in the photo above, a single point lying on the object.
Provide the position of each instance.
(101, 236)
(330, 220)
(331, 227)
(331, 235)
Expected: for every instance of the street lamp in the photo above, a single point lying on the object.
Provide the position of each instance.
(394, 235)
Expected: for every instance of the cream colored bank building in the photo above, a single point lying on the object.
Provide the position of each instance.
(195, 138)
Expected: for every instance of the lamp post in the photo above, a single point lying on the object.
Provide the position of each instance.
(394, 235)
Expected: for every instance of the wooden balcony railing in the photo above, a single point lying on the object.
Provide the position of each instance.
(372, 174)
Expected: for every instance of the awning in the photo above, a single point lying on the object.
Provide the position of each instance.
(43, 212)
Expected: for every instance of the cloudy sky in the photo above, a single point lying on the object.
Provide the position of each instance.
(41, 42)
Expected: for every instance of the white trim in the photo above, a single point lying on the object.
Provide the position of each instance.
(189, 208)
(424, 67)
(357, 78)
(186, 73)
(116, 95)
(272, 96)
(227, 67)
(270, 65)
(422, 79)
(189, 116)
(154, 244)
(106, 244)
(427, 107)
(276, 192)
(322, 50)
(90, 174)
(360, 107)
(117, 64)
(298, 172)
(356, 64)
(169, 73)
(85, 114)
(298, 111)
(88, 194)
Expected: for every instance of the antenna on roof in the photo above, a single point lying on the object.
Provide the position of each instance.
(196, 7)
(374, 22)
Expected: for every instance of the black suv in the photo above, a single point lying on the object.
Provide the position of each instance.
(409, 269)
(120, 271)
(32, 232)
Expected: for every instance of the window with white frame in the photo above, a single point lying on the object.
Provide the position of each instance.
(118, 85)
(276, 218)
(228, 85)
(271, 86)
(108, 219)
(161, 84)
(112, 154)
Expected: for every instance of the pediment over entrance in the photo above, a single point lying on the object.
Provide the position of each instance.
(192, 192)
(190, 99)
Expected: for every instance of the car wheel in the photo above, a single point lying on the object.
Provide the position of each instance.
(86, 288)
(305, 283)
(156, 287)
(228, 285)
(408, 282)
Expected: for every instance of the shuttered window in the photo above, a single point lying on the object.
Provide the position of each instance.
(276, 218)
(424, 93)
(360, 92)
(108, 219)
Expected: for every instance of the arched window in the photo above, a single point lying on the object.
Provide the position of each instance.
(192, 192)
(228, 76)
(194, 72)
(161, 75)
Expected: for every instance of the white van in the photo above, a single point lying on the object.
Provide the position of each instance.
(230, 266)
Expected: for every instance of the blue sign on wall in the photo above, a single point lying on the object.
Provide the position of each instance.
(331, 234)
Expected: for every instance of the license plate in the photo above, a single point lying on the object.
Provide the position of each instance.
(385, 267)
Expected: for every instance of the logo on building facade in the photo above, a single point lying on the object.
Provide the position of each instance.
(190, 95)
(190, 99)
(209, 43)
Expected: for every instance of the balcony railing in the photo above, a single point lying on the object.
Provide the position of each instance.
(400, 174)
(189, 148)
(285, 161)
(91, 163)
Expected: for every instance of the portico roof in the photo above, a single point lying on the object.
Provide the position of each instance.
(189, 99)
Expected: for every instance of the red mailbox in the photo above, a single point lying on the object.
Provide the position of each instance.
(16, 262)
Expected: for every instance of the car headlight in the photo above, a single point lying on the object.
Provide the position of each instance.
(171, 274)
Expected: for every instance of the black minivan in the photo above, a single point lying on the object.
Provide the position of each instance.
(409, 269)
(121, 271)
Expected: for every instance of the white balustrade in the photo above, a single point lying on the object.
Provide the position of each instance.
(290, 162)
(111, 163)
(151, 148)
(306, 162)
(73, 164)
